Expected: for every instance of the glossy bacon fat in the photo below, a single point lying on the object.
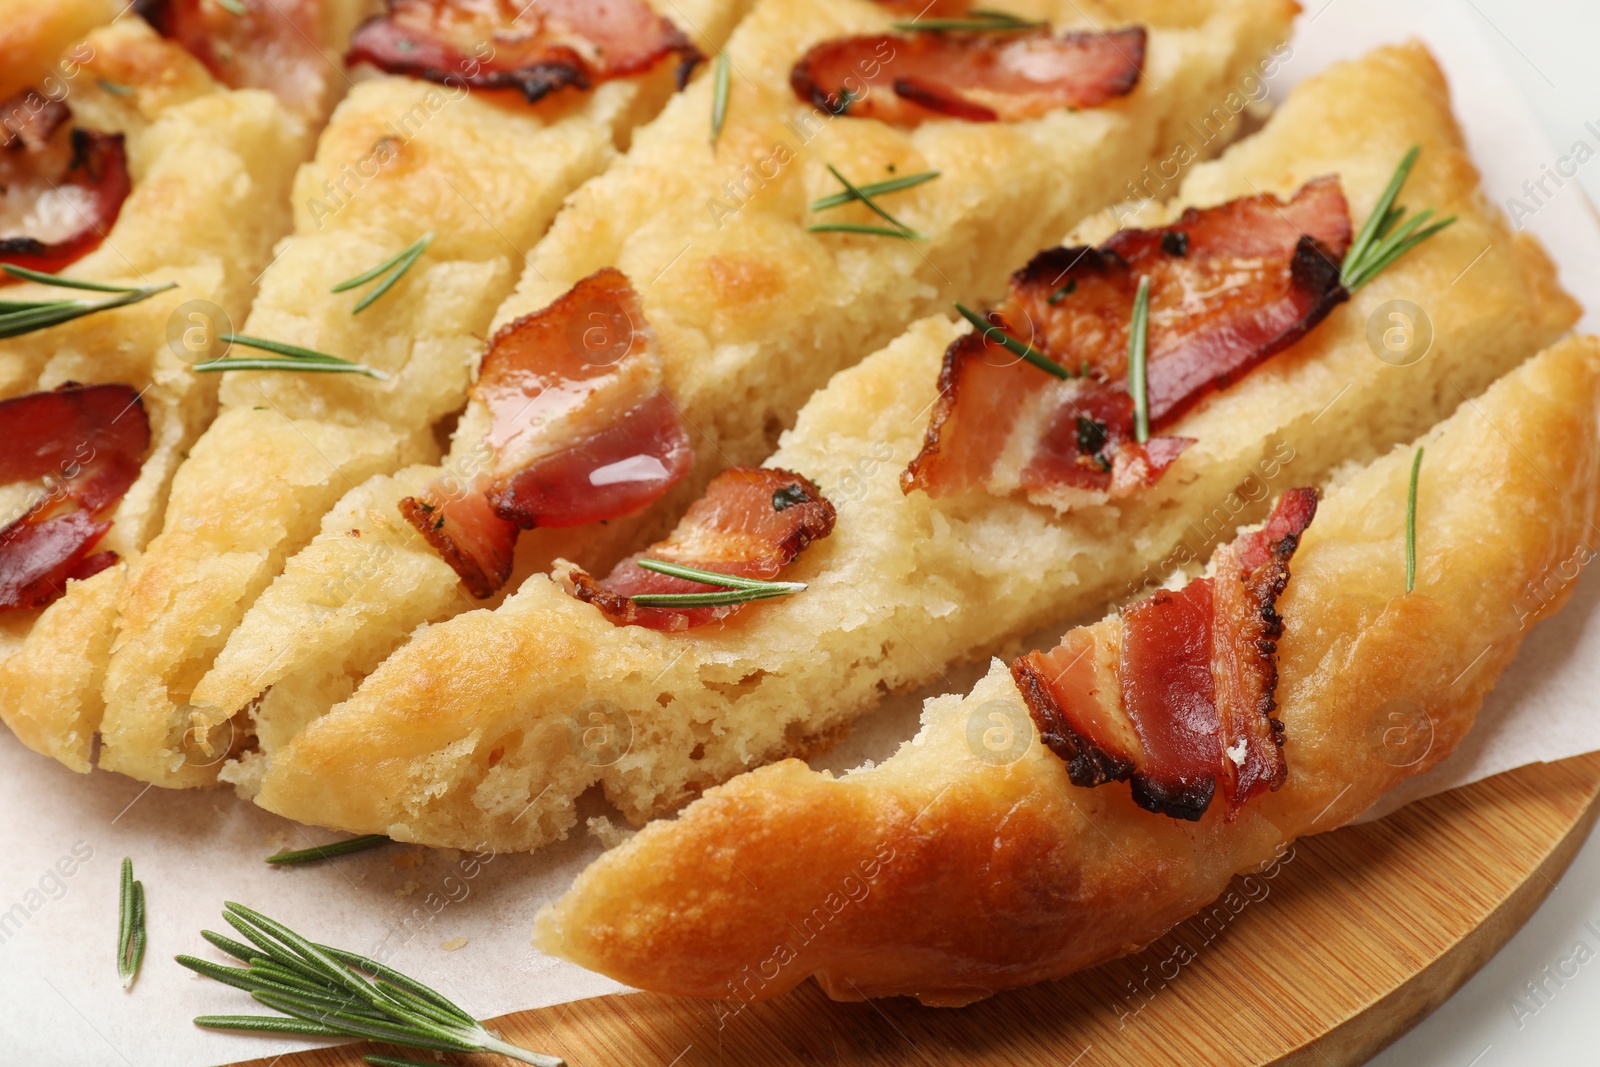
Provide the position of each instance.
(61, 188)
(536, 48)
(1231, 286)
(1176, 695)
(274, 45)
(79, 448)
(751, 523)
(979, 77)
(579, 430)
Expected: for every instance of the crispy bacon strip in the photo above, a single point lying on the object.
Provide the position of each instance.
(1231, 286)
(1176, 696)
(751, 523)
(275, 45)
(510, 44)
(61, 189)
(979, 77)
(84, 446)
(579, 427)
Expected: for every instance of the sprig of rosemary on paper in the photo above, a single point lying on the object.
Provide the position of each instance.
(979, 20)
(1411, 524)
(853, 192)
(130, 926)
(1138, 358)
(1385, 238)
(323, 852)
(18, 317)
(399, 263)
(328, 992)
(296, 359)
(736, 590)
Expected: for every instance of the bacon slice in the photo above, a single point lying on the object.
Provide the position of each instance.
(274, 45)
(1231, 286)
(978, 77)
(84, 446)
(579, 427)
(510, 44)
(751, 523)
(1176, 696)
(61, 189)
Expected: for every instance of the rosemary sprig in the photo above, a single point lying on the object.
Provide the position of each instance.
(1138, 352)
(1411, 524)
(235, 6)
(737, 590)
(854, 193)
(893, 185)
(982, 20)
(22, 317)
(399, 263)
(130, 932)
(991, 332)
(327, 992)
(1384, 238)
(337, 848)
(721, 72)
(298, 359)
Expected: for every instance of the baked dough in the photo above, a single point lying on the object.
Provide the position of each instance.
(946, 876)
(400, 157)
(443, 745)
(211, 170)
(752, 312)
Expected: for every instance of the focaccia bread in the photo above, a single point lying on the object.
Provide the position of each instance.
(210, 173)
(751, 311)
(440, 745)
(401, 158)
(948, 873)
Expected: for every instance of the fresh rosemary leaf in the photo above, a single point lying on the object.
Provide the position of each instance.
(1011, 344)
(1063, 292)
(397, 1061)
(1384, 238)
(235, 6)
(736, 590)
(8, 307)
(1411, 524)
(721, 74)
(852, 227)
(866, 198)
(19, 317)
(130, 933)
(395, 267)
(893, 185)
(322, 852)
(1138, 351)
(326, 992)
(59, 282)
(982, 20)
(297, 359)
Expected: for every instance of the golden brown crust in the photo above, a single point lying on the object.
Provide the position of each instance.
(953, 870)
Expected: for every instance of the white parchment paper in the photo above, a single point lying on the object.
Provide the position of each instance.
(460, 922)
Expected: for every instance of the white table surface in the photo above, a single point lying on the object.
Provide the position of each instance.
(1549, 46)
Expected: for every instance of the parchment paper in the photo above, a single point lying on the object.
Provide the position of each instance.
(461, 923)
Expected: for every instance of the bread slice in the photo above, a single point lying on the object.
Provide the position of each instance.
(468, 735)
(752, 312)
(946, 873)
(212, 170)
(400, 157)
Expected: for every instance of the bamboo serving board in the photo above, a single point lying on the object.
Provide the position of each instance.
(1354, 938)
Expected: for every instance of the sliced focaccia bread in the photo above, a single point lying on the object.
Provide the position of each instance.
(745, 302)
(442, 182)
(977, 859)
(447, 744)
(172, 191)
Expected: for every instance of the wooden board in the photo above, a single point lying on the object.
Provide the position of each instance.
(1357, 936)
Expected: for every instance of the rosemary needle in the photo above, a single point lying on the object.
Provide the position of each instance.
(130, 933)
(855, 227)
(337, 848)
(1138, 353)
(1411, 524)
(398, 264)
(326, 992)
(720, 75)
(983, 20)
(736, 590)
(1384, 238)
(993, 333)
